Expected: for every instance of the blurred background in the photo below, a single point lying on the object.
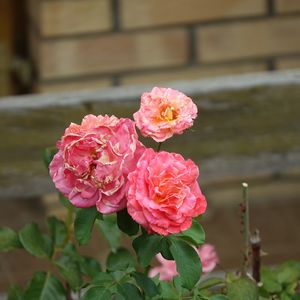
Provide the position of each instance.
(250, 134)
(51, 45)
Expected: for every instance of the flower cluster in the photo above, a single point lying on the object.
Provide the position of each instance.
(102, 163)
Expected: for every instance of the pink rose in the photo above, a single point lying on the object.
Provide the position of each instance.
(164, 112)
(208, 256)
(167, 268)
(93, 162)
(164, 194)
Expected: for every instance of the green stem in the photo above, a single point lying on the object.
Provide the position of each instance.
(69, 223)
(246, 226)
(159, 146)
(146, 270)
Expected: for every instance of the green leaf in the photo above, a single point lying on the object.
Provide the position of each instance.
(130, 292)
(270, 281)
(126, 223)
(242, 288)
(293, 264)
(84, 222)
(195, 234)
(45, 286)
(146, 284)
(103, 279)
(165, 248)
(120, 276)
(285, 296)
(70, 250)
(64, 201)
(58, 231)
(9, 239)
(219, 297)
(48, 155)
(211, 282)
(167, 291)
(146, 246)
(89, 266)
(70, 270)
(15, 293)
(272, 286)
(110, 230)
(97, 293)
(120, 261)
(291, 288)
(177, 284)
(287, 275)
(35, 242)
(296, 297)
(188, 263)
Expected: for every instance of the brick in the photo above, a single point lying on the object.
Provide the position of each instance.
(75, 85)
(288, 63)
(66, 17)
(157, 78)
(112, 53)
(137, 13)
(286, 6)
(240, 40)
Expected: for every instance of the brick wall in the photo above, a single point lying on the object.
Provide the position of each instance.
(99, 43)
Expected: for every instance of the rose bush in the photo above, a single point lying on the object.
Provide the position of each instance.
(113, 181)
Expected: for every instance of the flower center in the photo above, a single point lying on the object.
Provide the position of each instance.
(168, 191)
(168, 113)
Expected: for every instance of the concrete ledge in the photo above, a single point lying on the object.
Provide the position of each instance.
(131, 93)
(248, 129)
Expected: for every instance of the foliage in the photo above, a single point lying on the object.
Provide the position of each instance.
(124, 276)
(281, 282)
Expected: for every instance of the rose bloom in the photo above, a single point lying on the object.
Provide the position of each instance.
(163, 194)
(93, 162)
(167, 268)
(208, 256)
(164, 112)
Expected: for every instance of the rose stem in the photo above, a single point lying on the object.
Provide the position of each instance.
(255, 241)
(69, 292)
(246, 226)
(159, 146)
